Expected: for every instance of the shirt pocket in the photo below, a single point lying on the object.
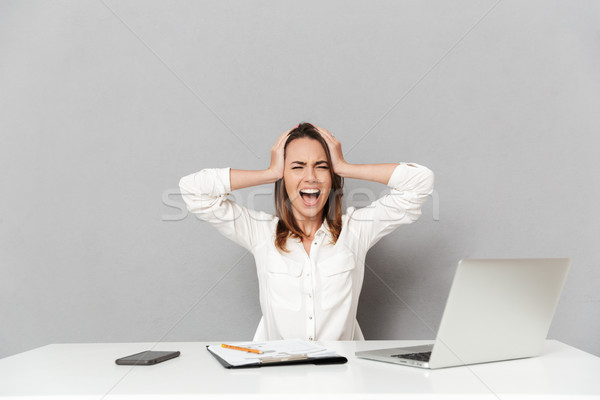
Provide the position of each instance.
(336, 280)
(284, 282)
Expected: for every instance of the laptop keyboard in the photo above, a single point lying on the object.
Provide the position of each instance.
(415, 356)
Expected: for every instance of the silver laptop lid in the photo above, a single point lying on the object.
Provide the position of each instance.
(498, 309)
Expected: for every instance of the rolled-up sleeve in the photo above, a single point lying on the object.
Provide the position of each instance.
(205, 194)
(410, 186)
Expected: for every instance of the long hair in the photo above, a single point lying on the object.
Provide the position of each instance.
(332, 211)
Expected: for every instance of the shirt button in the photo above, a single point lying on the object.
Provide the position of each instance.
(310, 317)
(315, 243)
(308, 274)
(310, 338)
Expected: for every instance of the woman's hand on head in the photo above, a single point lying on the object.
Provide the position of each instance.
(335, 150)
(277, 159)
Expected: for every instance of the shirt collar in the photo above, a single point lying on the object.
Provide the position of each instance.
(324, 227)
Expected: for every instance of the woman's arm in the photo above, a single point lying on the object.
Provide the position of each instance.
(242, 178)
(370, 172)
(410, 184)
(205, 193)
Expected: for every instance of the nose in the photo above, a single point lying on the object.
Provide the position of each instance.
(310, 175)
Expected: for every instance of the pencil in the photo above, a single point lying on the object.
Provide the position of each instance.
(228, 346)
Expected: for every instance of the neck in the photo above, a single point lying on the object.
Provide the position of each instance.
(310, 226)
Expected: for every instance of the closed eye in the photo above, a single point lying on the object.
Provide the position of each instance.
(317, 167)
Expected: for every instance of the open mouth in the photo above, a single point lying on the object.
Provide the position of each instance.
(310, 197)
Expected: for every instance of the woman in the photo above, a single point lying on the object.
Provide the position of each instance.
(309, 257)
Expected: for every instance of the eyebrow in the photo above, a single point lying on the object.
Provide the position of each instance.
(303, 163)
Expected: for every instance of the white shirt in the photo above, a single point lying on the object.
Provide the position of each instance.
(309, 297)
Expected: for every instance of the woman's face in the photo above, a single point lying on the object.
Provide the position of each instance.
(307, 179)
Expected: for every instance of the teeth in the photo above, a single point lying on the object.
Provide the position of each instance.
(307, 191)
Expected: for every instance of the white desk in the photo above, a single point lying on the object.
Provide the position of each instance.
(88, 371)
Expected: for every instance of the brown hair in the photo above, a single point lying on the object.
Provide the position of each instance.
(332, 211)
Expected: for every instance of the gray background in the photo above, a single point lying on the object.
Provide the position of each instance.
(107, 104)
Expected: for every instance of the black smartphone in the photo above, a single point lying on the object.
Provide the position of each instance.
(147, 357)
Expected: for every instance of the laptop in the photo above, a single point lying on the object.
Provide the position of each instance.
(497, 309)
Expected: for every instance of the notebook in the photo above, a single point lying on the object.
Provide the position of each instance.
(497, 309)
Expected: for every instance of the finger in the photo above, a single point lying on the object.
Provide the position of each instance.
(327, 136)
(324, 132)
(290, 130)
(330, 143)
(283, 137)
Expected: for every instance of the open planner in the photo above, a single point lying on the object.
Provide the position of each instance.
(276, 352)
